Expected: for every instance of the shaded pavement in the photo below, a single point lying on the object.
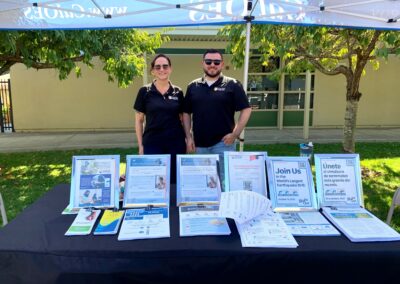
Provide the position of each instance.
(22, 142)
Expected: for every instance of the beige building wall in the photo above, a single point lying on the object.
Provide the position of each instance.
(186, 68)
(44, 103)
(378, 106)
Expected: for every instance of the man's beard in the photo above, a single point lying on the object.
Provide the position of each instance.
(215, 75)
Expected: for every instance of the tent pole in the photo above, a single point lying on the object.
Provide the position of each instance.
(248, 19)
(145, 75)
(306, 125)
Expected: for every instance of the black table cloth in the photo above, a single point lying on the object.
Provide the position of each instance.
(33, 249)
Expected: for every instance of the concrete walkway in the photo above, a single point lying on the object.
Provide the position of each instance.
(21, 142)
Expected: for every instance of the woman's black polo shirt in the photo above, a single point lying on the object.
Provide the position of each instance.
(163, 124)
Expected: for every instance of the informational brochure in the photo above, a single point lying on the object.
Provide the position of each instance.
(94, 181)
(197, 180)
(359, 225)
(339, 180)
(83, 223)
(308, 224)
(147, 180)
(145, 223)
(245, 171)
(109, 222)
(292, 193)
(69, 210)
(291, 184)
(201, 220)
(243, 205)
(339, 190)
(266, 230)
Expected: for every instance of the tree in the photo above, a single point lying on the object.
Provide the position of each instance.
(332, 51)
(121, 51)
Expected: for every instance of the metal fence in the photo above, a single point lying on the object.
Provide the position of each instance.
(6, 115)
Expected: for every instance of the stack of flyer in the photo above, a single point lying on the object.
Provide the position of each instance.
(198, 193)
(146, 197)
(94, 185)
(245, 201)
(292, 194)
(339, 190)
(257, 224)
(109, 222)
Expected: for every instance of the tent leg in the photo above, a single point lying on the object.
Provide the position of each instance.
(246, 66)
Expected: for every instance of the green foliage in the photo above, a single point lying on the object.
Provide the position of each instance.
(302, 47)
(24, 177)
(122, 51)
(332, 51)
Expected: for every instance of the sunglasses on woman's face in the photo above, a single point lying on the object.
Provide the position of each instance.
(215, 61)
(163, 66)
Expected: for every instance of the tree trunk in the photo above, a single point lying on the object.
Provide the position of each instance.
(350, 121)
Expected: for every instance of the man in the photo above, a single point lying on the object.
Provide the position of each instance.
(212, 101)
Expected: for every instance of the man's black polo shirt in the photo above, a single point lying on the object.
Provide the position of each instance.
(213, 108)
(163, 124)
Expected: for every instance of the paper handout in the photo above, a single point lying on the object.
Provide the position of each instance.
(243, 205)
(83, 223)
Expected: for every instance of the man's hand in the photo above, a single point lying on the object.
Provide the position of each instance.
(229, 139)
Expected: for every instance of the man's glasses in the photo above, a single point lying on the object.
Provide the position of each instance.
(215, 61)
(163, 66)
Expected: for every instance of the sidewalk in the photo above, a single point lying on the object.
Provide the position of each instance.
(22, 142)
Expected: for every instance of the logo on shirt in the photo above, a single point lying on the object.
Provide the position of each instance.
(219, 89)
(172, 98)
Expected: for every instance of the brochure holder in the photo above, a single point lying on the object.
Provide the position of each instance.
(292, 194)
(291, 185)
(94, 182)
(147, 181)
(339, 180)
(197, 180)
(198, 196)
(245, 171)
(339, 190)
(146, 197)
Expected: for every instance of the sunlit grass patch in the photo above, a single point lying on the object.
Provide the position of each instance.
(24, 177)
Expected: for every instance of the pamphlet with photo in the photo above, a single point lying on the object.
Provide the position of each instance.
(94, 182)
(197, 181)
(147, 181)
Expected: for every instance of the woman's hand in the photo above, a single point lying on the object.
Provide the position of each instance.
(190, 147)
(141, 152)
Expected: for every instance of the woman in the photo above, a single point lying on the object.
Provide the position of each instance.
(160, 103)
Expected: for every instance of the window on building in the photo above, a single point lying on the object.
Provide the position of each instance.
(263, 91)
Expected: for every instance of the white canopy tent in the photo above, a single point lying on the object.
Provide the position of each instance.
(106, 14)
(90, 14)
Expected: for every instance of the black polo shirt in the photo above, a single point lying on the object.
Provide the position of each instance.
(163, 124)
(213, 108)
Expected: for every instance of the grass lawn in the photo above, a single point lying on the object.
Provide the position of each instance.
(24, 177)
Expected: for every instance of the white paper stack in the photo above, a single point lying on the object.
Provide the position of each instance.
(201, 220)
(266, 230)
(257, 224)
(308, 224)
(359, 225)
(340, 193)
(145, 223)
